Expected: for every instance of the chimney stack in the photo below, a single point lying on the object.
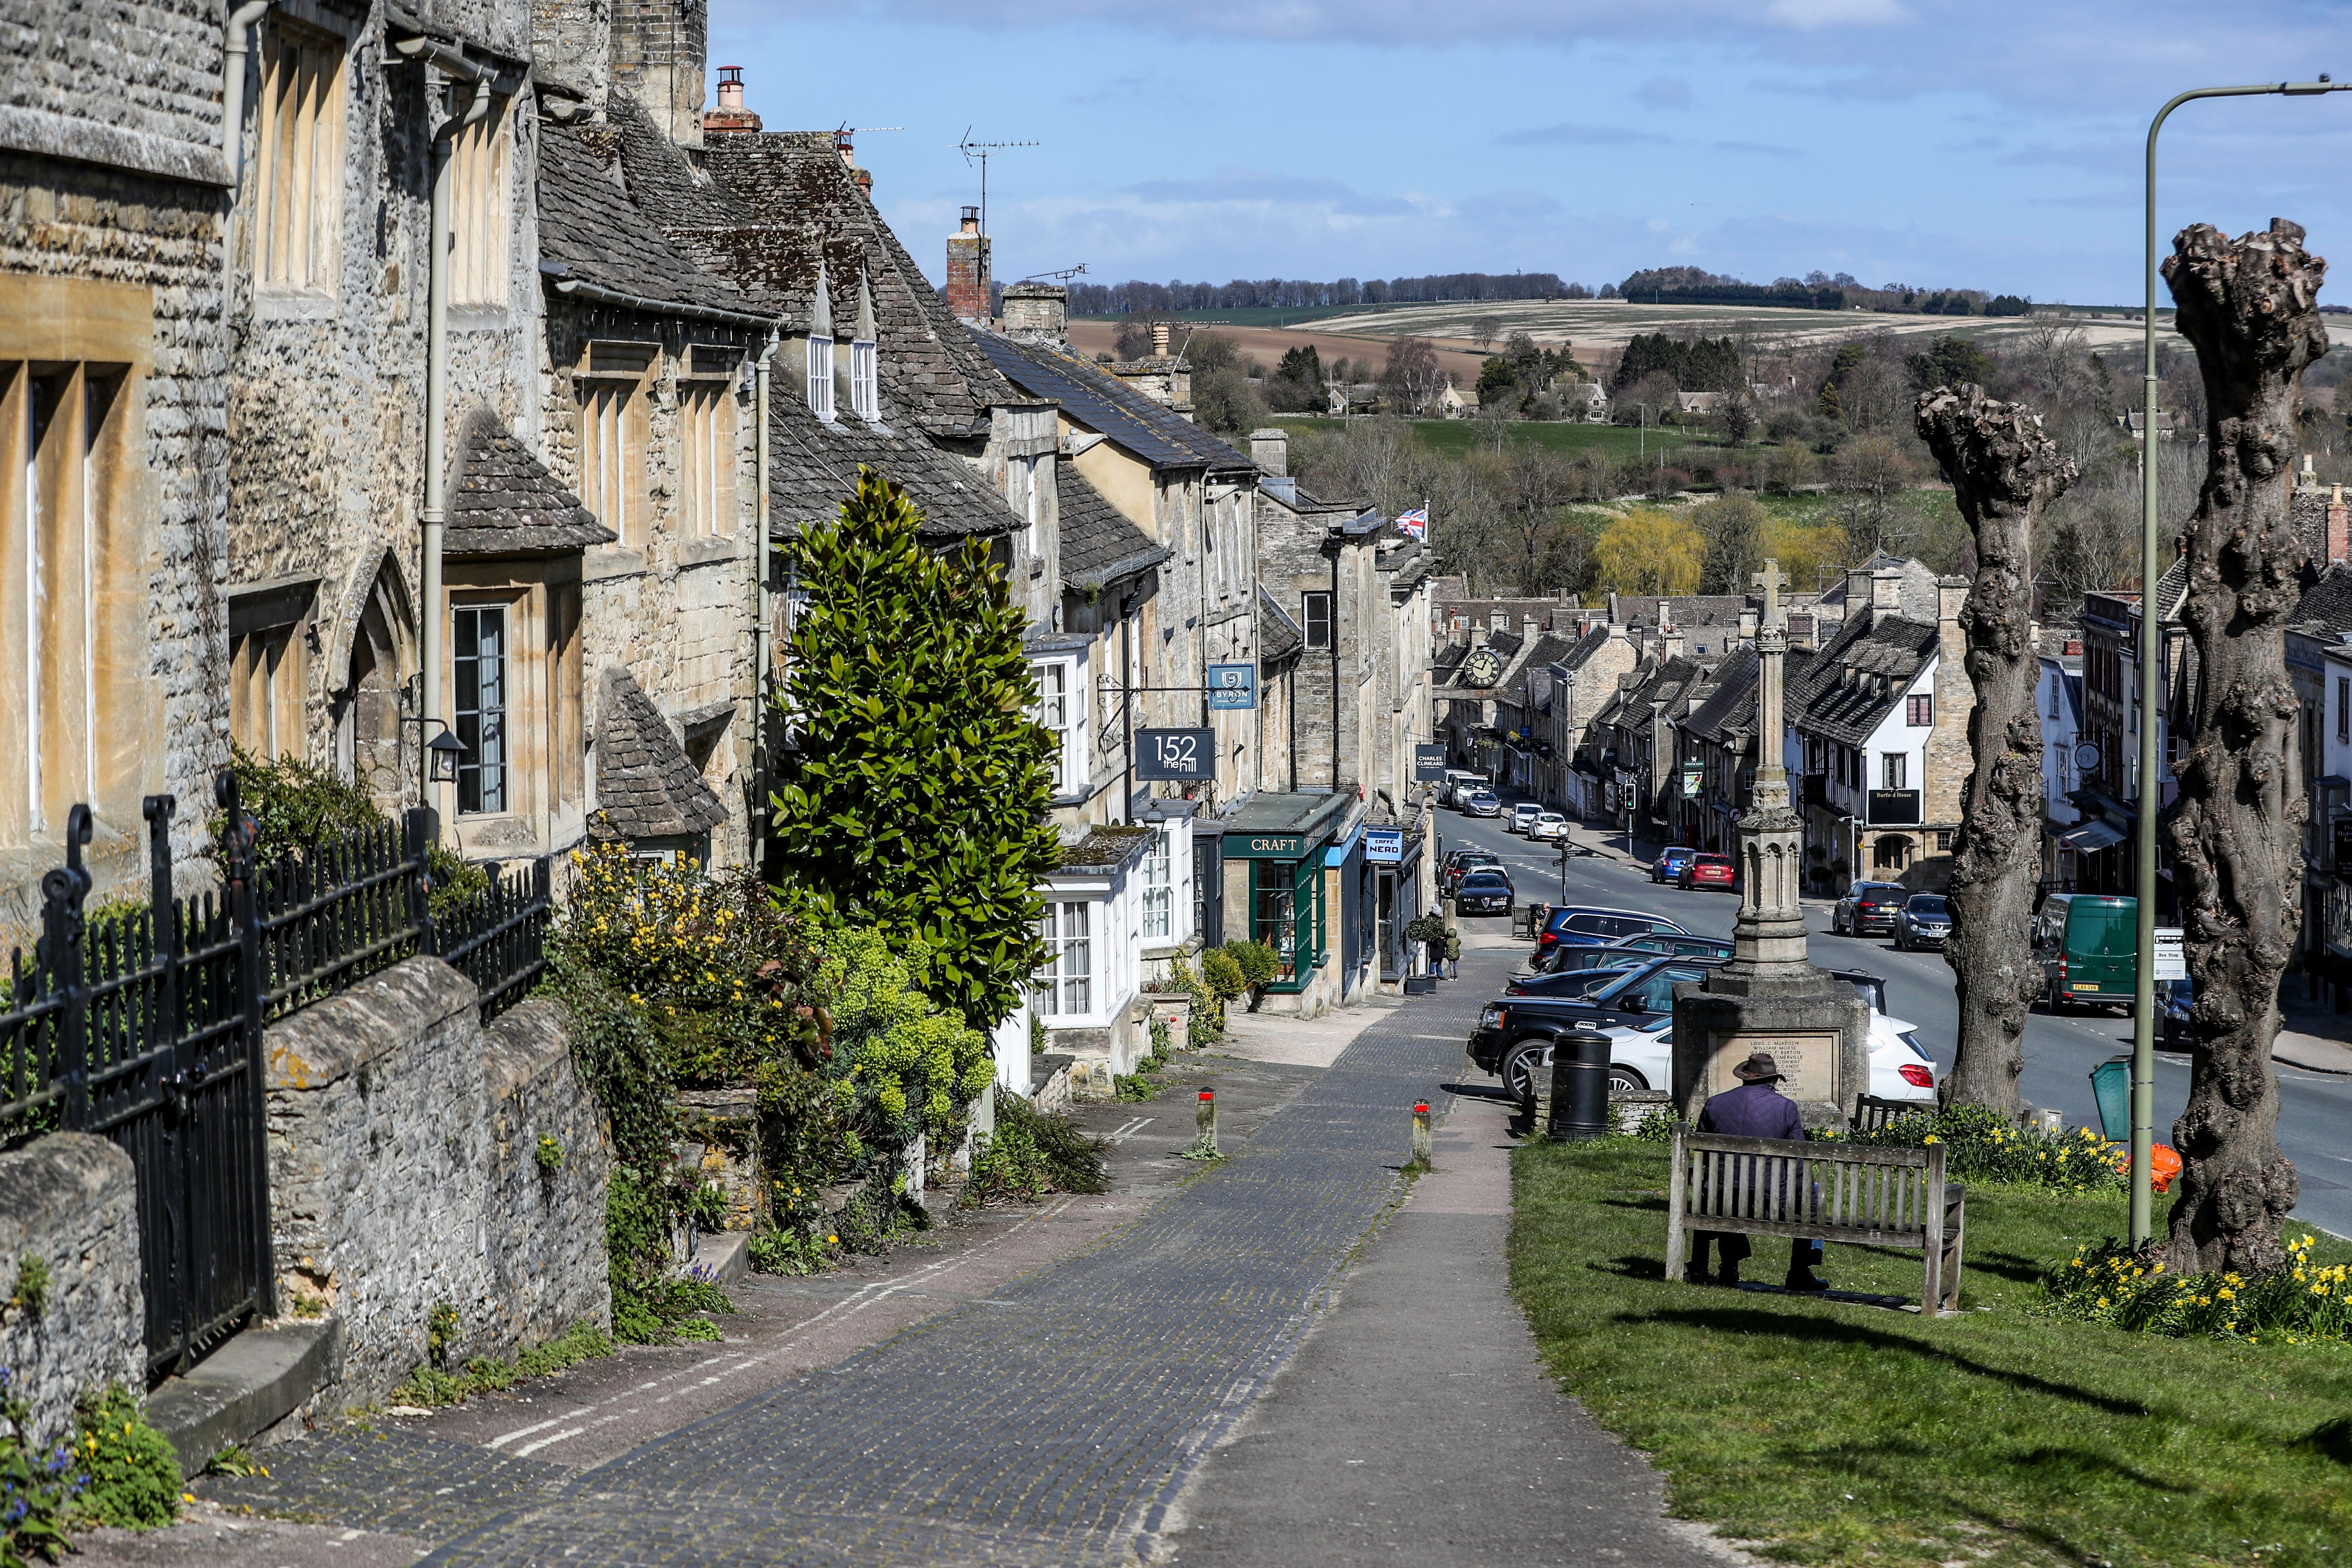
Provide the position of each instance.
(730, 118)
(1037, 313)
(968, 269)
(1162, 336)
(1270, 450)
(2339, 527)
(1886, 589)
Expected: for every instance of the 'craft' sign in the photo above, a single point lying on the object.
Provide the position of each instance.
(1265, 845)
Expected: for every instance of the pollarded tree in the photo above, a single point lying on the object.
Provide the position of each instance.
(2248, 306)
(913, 797)
(2005, 473)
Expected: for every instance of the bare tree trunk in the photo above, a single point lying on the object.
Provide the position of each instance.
(2248, 306)
(2005, 473)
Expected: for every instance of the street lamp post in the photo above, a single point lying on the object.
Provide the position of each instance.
(2152, 687)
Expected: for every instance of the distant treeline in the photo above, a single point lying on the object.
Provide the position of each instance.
(1814, 291)
(1297, 294)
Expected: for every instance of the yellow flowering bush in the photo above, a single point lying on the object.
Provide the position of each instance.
(2299, 1302)
(1982, 1146)
(916, 1064)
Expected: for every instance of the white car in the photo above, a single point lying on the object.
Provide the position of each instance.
(1549, 825)
(1524, 815)
(1642, 1056)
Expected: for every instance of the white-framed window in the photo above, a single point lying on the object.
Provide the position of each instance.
(1033, 514)
(1895, 769)
(479, 667)
(820, 375)
(1065, 983)
(481, 210)
(1160, 889)
(1919, 710)
(865, 383)
(1315, 616)
(1054, 715)
(299, 165)
(706, 440)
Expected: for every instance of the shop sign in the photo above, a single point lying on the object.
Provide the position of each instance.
(1265, 845)
(1384, 846)
(1894, 808)
(1233, 686)
(1428, 764)
(1176, 755)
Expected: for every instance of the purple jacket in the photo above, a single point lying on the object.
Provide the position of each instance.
(1753, 1111)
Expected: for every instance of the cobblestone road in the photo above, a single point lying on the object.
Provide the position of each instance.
(1050, 1423)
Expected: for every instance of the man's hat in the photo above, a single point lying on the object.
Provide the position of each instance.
(1758, 1068)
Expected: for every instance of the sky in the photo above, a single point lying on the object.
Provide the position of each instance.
(1994, 145)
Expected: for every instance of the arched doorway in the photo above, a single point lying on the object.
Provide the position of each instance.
(1891, 852)
(379, 668)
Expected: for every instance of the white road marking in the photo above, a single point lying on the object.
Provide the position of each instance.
(1133, 1127)
(527, 1431)
(528, 1448)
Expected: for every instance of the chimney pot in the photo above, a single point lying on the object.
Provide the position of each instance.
(730, 115)
(1162, 334)
(2339, 525)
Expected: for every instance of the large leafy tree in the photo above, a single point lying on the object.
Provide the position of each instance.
(913, 798)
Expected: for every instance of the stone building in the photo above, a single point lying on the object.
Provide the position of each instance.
(116, 182)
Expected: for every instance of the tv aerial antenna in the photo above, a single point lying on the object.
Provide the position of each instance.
(845, 134)
(982, 152)
(1064, 276)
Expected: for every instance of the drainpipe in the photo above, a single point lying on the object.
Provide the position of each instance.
(763, 651)
(473, 78)
(236, 46)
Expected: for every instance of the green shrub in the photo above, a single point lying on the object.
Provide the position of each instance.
(548, 1154)
(1259, 963)
(1221, 973)
(30, 1294)
(296, 807)
(134, 1474)
(2114, 1283)
(1132, 1088)
(1031, 1155)
(432, 1388)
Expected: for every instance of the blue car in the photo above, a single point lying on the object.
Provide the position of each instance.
(1588, 926)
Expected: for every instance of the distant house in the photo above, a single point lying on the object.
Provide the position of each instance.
(1698, 401)
(1585, 404)
(1449, 403)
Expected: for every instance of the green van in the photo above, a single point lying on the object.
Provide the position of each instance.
(2089, 944)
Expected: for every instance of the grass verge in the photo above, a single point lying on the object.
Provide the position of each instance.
(1843, 1434)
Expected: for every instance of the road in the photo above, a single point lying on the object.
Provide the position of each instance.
(2314, 1108)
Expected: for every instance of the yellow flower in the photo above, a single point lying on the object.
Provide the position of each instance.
(187, 1497)
(834, 1239)
(2227, 1295)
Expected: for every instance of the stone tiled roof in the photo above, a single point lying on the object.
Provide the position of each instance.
(1548, 649)
(1104, 403)
(1105, 849)
(801, 201)
(1729, 712)
(2327, 602)
(813, 469)
(1690, 612)
(503, 501)
(1279, 637)
(645, 787)
(590, 230)
(1100, 545)
(1820, 700)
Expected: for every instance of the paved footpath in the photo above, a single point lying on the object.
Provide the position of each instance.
(1054, 1421)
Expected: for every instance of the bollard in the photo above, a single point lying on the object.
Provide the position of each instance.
(1421, 1147)
(1204, 1120)
(1579, 1088)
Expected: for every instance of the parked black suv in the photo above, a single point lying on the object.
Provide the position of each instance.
(1513, 1024)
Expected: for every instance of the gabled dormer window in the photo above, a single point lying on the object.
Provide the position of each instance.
(820, 375)
(864, 393)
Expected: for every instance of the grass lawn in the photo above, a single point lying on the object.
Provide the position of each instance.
(1459, 437)
(1843, 1434)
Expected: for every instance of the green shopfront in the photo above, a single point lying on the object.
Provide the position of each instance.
(1274, 851)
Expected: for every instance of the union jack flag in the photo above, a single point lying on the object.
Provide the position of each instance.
(1416, 522)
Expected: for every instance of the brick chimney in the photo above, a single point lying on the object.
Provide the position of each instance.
(968, 269)
(730, 118)
(1270, 450)
(1037, 313)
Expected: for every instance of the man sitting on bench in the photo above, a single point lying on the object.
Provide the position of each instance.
(1754, 1110)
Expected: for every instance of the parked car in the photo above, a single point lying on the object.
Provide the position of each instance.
(1569, 982)
(2174, 998)
(1572, 959)
(1484, 803)
(1868, 909)
(1459, 783)
(1460, 863)
(1514, 1032)
(1669, 864)
(2089, 947)
(1708, 872)
(1925, 920)
(1585, 925)
(1524, 815)
(1484, 892)
(1679, 946)
(1549, 825)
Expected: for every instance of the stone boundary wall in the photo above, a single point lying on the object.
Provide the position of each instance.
(67, 1199)
(404, 1175)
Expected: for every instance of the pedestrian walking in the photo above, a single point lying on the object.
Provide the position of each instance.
(1452, 953)
(1755, 1110)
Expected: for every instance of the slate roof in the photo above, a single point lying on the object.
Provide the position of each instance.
(1548, 649)
(1729, 711)
(1691, 611)
(1448, 654)
(1279, 637)
(1820, 702)
(1104, 403)
(645, 787)
(590, 229)
(2328, 602)
(503, 501)
(1105, 849)
(793, 196)
(1920, 597)
(1100, 545)
(813, 469)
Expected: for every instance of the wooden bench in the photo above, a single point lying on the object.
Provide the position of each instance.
(1872, 1114)
(1833, 1191)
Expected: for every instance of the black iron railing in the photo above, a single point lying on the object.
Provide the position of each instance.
(145, 1028)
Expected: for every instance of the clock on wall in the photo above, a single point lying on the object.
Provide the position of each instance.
(1483, 668)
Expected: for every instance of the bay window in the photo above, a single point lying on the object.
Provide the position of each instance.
(1064, 986)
